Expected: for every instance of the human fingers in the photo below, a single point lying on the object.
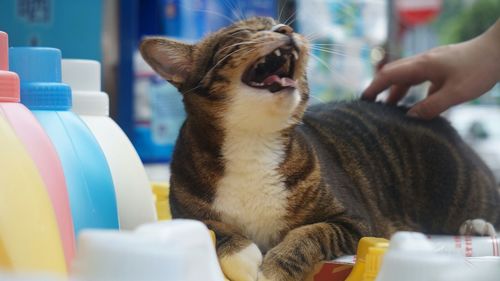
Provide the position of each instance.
(433, 88)
(431, 106)
(396, 93)
(410, 71)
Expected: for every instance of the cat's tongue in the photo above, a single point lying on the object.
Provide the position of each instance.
(283, 82)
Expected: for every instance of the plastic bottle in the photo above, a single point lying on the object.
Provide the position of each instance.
(43, 153)
(172, 250)
(29, 234)
(133, 193)
(412, 256)
(88, 179)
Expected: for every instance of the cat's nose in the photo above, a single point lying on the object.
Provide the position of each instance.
(282, 28)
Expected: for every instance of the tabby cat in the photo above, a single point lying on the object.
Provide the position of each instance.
(284, 187)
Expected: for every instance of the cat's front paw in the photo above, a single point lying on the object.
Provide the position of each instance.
(243, 265)
(478, 227)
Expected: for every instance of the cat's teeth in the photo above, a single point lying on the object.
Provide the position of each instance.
(256, 84)
(277, 52)
(295, 55)
(262, 60)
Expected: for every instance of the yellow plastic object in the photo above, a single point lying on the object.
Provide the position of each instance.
(29, 236)
(374, 261)
(161, 192)
(369, 254)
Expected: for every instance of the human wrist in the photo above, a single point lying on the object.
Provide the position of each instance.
(491, 41)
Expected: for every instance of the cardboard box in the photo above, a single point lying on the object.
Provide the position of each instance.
(335, 270)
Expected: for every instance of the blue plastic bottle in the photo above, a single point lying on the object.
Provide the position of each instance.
(88, 178)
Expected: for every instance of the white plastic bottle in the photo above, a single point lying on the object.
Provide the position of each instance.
(133, 192)
(170, 250)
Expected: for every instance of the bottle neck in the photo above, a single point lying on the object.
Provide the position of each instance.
(9, 86)
(90, 103)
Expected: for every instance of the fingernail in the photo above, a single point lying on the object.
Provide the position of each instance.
(413, 114)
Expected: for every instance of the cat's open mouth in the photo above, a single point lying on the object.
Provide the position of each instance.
(273, 71)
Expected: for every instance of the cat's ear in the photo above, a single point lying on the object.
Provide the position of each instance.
(169, 58)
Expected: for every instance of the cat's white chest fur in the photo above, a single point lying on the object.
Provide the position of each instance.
(251, 195)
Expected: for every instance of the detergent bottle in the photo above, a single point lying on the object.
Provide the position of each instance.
(170, 250)
(88, 179)
(44, 155)
(29, 233)
(133, 193)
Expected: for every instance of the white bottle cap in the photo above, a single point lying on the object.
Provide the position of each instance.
(84, 77)
(170, 250)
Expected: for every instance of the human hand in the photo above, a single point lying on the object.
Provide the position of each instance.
(457, 73)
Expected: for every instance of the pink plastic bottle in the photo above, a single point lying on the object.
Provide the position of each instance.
(41, 150)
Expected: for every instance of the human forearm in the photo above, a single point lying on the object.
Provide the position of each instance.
(491, 39)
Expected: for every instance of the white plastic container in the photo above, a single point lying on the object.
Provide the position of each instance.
(179, 250)
(132, 187)
(413, 257)
(467, 246)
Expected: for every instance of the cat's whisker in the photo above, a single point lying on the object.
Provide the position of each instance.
(237, 32)
(247, 48)
(336, 52)
(343, 53)
(316, 98)
(194, 88)
(235, 9)
(331, 44)
(240, 10)
(313, 36)
(231, 8)
(338, 73)
(341, 45)
(209, 12)
(292, 15)
(310, 34)
(237, 44)
(219, 14)
(292, 21)
(320, 61)
(281, 12)
(334, 48)
(325, 48)
(256, 43)
(332, 52)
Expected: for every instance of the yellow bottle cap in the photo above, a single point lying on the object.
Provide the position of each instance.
(364, 245)
(373, 261)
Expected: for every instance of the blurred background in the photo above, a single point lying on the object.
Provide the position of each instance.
(351, 40)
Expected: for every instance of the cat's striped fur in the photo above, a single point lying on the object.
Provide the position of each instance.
(304, 186)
